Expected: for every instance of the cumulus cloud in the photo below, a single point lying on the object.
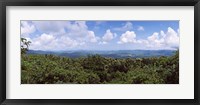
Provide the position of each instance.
(162, 33)
(108, 36)
(170, 39)
(92, 37)
(50, 42)
(127, 37)
(66, 42)
(127, 26)
(142, 41)
(64, 35)
(72, 28)
(42, 42)
(162, 40)
(77, 29)
(59, 35)
(50, 27)
(140, 28)
(27, 28)
(154, 40)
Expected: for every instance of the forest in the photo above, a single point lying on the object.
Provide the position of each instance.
(95, 69)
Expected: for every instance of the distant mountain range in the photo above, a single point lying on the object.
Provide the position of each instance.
(112, 53)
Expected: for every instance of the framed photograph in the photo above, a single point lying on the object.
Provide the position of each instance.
(99, 52)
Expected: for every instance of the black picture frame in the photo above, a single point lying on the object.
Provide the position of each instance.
(4, 3)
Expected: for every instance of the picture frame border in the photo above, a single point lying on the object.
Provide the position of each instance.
(5, 3)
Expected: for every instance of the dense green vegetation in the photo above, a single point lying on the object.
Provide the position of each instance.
(95, 69)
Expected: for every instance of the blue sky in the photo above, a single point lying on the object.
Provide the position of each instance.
(101, 35)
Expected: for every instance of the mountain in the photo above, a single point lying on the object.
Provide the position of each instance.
(112, 53)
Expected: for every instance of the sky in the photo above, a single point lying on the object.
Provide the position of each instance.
(63, 35)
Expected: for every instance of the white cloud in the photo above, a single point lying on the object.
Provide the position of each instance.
(42, 42)
(162, 40)
(108, 36)
(62, 35)
(140, 28)
(77, 29)
(50, 26)
(162, 33)
(65, 42)
(153, 37)
(50, 42)
(170, 39)
(142, 41)
(72, 28)
(155, 40)
(128, 37)
(126, 27)
(92, 37)
(27, 28)
(103, 42)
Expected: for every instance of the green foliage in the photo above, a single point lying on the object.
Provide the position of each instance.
(24, 45)
(95, 69)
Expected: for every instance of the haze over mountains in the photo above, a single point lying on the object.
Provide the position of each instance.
(111, 53)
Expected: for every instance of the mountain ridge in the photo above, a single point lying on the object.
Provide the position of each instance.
(108, 53)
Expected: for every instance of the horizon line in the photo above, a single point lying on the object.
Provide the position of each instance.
(107, 50)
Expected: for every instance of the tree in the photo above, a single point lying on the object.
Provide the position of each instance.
(24, 45)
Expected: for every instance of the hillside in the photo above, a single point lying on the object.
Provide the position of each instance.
(96, 69)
